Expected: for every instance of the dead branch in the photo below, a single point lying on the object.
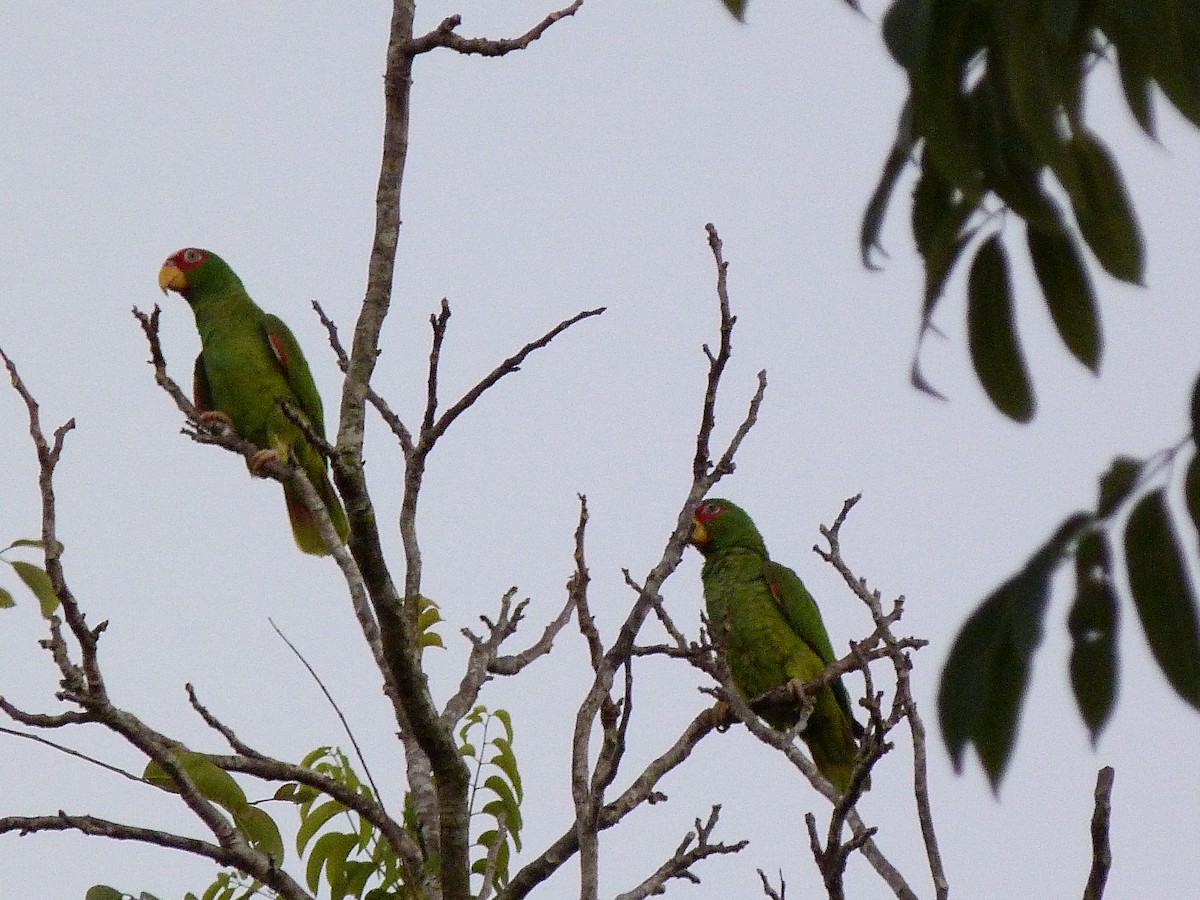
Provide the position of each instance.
(445, 36)
(1101, 850)
(263, 869)
(686, 855)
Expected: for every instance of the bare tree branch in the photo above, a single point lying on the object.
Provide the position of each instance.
(1101, 850)
(904, 698)
(444, 36)
(435, 429)
(770, 891)
(686, 855)
(262, 869)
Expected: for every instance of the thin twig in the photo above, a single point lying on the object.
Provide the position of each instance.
(70, 752)
(337, 709)
(381, 406)
(437, 428)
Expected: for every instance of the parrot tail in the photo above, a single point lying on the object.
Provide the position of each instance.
(304, 526)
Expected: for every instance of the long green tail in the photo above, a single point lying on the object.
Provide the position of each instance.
(304, 526)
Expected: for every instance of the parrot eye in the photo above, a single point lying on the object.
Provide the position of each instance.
(709, 510)
(192, 255)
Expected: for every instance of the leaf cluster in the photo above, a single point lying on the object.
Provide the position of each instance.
(493, 755)
(994, 123)
(1135, 524)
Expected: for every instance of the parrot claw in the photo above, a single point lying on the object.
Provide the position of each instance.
(261, 458)
(216, 417)
(721, 716)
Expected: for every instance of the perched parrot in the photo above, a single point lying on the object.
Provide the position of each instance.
(769, 630)
(249, 361)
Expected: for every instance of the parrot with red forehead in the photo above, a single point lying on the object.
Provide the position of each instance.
(767, 626)
(249, 362)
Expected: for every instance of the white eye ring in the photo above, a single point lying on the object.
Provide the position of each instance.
(192, 256)
(710, 509)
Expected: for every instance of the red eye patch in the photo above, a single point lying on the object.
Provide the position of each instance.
(708, 511)
(187, 259)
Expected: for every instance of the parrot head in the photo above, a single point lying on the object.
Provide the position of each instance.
(720, 525)
(193, 270)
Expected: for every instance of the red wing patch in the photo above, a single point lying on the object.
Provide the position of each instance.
(280, 352)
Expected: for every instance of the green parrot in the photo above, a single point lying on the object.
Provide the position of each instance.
(767, 625)
(249, 361)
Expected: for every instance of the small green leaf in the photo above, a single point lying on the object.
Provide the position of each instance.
(6, 599)
(1068, 292)
(38, 581)
(1117, 483)
(357, 873)
(260, 830)
(314, 820)
(899, 158)
(1103, 210)
(335, 847)
(295, 793)
(1158, 581)
(506, 761)
(37, 544)
(1092, 624)
(992, 335)
(103, 892)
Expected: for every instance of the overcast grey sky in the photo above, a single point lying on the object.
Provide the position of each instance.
(578, 173)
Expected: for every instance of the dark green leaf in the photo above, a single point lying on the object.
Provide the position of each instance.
(898, 160)
(1012, 167)
(38, 581)
(1092, 624)
(6, 599)
(1026, 62)
(953, 38)
(103, 892)
(904, 31)
(1068, 292)
(737, 8)
(939, 220)
(992, 335)
(1159, 583)
(1117, 483)
(983, 684)
(1103, 210)
(1175, 49)
(1195, 411)
(1191, 490)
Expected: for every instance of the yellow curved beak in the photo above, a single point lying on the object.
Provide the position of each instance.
(699, 533)
(171, 278)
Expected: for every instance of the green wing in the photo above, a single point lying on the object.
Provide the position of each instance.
(201, 392)
(295, 369)
(802, 615)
